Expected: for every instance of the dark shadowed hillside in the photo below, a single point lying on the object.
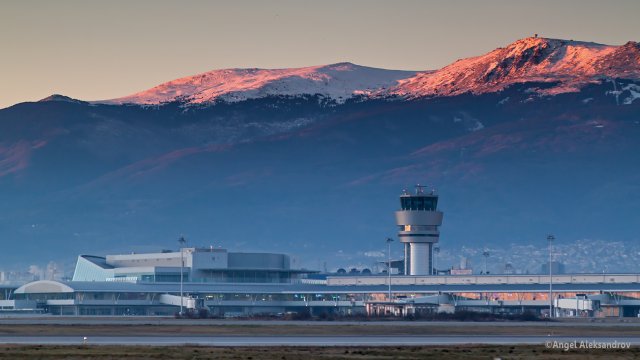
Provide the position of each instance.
(312, 176)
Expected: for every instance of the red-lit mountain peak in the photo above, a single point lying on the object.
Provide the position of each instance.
(570, 64)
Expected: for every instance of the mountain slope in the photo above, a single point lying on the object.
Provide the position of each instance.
(565, 65)
(562, 65)
(337, 82)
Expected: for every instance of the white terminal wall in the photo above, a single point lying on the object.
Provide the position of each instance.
(193, 258)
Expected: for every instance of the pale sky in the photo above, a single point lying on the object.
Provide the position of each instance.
(94, 50)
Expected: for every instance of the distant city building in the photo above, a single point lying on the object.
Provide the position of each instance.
(509, 269)
(465, 263)
(556, 268)
(464, 267)
(18, 277)
(52, 272)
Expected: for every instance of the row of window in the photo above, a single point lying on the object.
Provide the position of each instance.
(428, 203)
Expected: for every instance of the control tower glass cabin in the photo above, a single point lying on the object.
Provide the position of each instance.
(418, 223)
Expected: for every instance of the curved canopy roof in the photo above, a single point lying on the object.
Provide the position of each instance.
(43, 286)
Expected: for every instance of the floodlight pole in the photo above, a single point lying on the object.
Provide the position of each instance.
(436, 251)
(550, 238)
(389, 241)
(485, 253)
(182, 241)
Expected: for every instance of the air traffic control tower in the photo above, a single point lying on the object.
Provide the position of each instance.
(418, 228)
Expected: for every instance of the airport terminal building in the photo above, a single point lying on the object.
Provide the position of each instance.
(212, 265)
(234, 284)
(582, 295)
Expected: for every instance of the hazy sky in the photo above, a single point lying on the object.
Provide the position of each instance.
(104, 49)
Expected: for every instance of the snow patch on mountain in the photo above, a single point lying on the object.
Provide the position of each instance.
(629, 91)
(634, 93)
(478, 126)
(338, 82)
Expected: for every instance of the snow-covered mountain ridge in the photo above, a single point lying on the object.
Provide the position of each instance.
(337, 81)
(565, 64)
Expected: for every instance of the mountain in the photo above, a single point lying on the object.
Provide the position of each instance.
(58, 97)
(337, 82)
(561, 65)
(567, 66)
(310, 161)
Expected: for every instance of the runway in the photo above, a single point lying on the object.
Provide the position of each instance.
(97, 320)
(306, 340)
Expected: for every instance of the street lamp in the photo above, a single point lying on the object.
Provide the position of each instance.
(436, 251)
(389, 241)
(485, 253)
(182, 241)
(550, 238)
